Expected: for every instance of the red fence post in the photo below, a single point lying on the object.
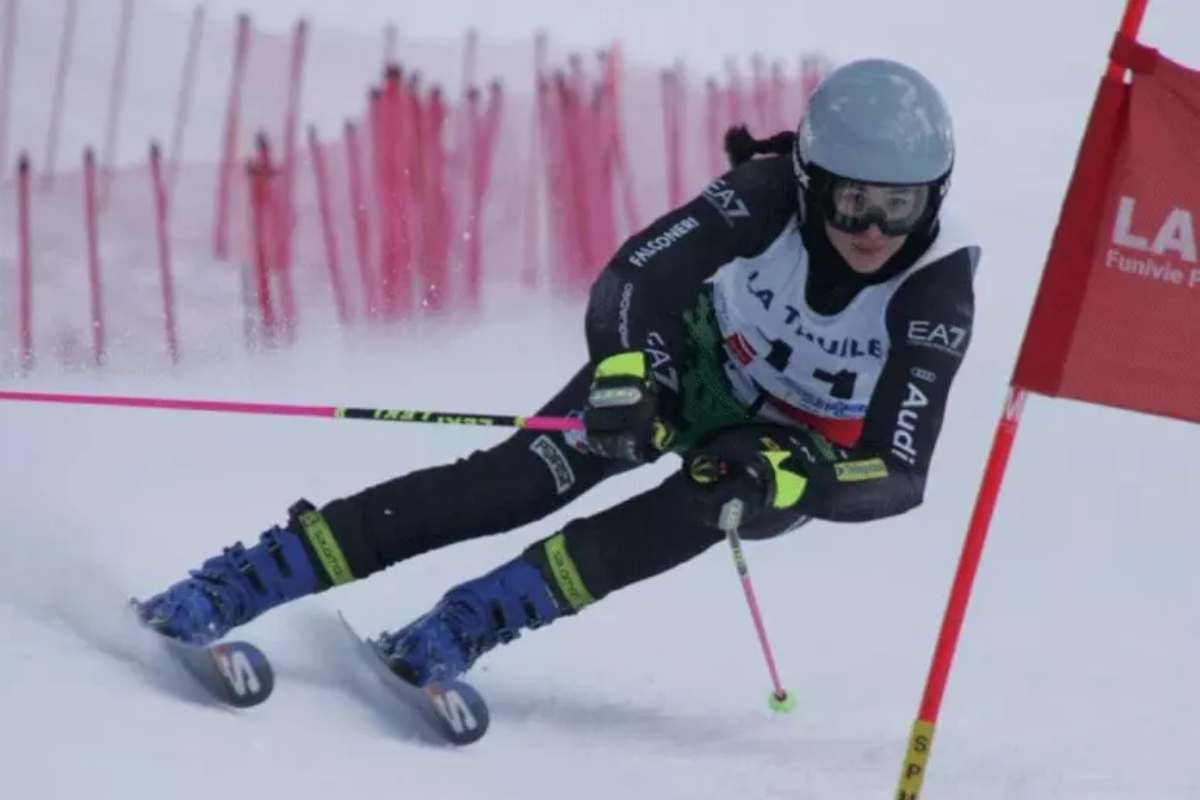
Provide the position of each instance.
(624, 179)
(258, 172)
(380, 161)
(470, 59)
(477, 159)
(331, 249)
(672, 97)
(229, 150)
(25, 256)
(161, 217)
(286, 199)
(712, 128)
(187, 85)
(560, 202)
(90, 214)
(433, 204)
(579, 235)
(65, 47)
(7, 59)
(275, 236)
(530, 266)
(391, 35)
(362, 222)
(116, 98)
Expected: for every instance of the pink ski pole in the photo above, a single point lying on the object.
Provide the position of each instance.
(731, 519)
(534, 423)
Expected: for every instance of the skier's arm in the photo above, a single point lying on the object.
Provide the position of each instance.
(929, 323)
(638, 300)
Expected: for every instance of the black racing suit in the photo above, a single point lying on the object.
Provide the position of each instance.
(654, 296)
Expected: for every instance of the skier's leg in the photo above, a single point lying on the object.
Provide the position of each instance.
(520, 480)
(585, 561)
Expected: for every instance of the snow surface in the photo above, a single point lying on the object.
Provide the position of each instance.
(1076, 671)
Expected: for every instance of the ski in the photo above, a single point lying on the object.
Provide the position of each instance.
(236, 674)
(453, 710)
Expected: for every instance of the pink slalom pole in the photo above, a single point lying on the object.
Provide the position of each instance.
(95, 286)
(65, 47)
(183, 107)
(362, 223)
(229, 148)
(25, 257)
(331, 250)
(7, 61)
(116, 97)
(166, 279)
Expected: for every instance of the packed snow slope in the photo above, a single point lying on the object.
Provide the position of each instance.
(1076, 672)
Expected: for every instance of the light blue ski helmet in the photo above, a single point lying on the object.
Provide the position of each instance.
(875, 121)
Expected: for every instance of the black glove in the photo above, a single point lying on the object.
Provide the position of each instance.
(739, 480)
(621, 417)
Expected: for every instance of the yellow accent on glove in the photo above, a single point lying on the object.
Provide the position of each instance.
(788, 487)
(630, 364)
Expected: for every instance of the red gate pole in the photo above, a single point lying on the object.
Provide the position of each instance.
(90, 214)
(25, 279)
(184, 106)
(912, 773)
(65, 46)
(161, 218)
(229, 149)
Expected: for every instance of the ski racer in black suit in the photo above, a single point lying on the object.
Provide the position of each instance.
(792, 334)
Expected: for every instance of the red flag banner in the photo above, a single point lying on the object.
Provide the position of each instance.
(1117, 316)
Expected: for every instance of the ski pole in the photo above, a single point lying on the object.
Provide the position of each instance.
(534, 423)
(780, 698)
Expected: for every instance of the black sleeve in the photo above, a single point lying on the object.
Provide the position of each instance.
(638, 300)
(929, 323)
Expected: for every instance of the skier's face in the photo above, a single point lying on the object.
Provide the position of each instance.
(866, 252)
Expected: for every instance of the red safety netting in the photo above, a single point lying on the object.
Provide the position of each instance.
(237, 213)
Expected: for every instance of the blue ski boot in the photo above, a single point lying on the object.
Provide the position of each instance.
(232, 589)
(468, 621)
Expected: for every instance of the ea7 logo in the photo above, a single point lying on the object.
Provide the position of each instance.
(452, 708)
(939, 335)
(239, 673)
(726, 201)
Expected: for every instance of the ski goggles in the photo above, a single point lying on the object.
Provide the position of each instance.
(898, 209)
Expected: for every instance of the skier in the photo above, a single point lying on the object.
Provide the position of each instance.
(792, 333)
